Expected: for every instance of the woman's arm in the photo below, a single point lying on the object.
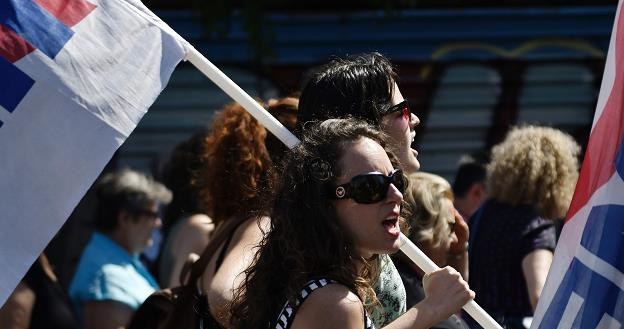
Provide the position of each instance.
(16, 312)
(230, 275)
(445, 293)
(535, 268)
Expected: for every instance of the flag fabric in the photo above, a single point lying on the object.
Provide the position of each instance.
(585, 285)
(77, 76)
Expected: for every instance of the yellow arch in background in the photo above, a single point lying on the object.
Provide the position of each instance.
(576, 44)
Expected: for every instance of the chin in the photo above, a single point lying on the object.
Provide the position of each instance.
(390, 249)
(395, 248)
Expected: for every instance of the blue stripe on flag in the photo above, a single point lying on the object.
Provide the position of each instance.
(603, 235)
(13, 86)
(35, 25)
(598, 296)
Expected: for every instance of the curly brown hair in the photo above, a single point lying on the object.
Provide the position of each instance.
(306, 239)
(237, 166)
(537, 166)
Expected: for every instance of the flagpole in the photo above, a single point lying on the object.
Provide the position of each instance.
(241, 97)
(283, 134)
(427, 265)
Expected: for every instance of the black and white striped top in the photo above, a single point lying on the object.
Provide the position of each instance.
(287, 315)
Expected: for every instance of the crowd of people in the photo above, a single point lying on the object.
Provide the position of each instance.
(311, 235)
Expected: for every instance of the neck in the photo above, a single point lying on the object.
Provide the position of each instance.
(121, 240)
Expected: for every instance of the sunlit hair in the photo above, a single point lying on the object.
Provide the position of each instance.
(428, 208)
(306, 239)
(126, 190)
(356, 86)
(237, 166)
(537, 166)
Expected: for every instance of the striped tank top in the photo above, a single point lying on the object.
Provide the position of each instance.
(287, 315)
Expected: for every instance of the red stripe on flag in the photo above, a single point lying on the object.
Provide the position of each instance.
(70, 12)
(604, 142)
(12, 46)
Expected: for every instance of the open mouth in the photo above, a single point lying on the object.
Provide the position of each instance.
(391, 225)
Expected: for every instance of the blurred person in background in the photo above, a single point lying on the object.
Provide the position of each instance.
(238, 168)
(469, 187)
(438, 230)
(186, 228)
(38, 301)
(110, 281)
(531, 179)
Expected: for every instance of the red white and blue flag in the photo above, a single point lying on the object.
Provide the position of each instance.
(585, 285)
(76, 78)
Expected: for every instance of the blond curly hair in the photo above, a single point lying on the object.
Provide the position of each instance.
(535, 165)
(428, 207)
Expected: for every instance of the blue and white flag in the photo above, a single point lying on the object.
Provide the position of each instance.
(76, 78)
(585, 285)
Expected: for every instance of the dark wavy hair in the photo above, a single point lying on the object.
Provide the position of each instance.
(306, 239)
(237, 164)
(357, 86)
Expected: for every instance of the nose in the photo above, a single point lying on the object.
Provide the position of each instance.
(414, 121)
(394, 195)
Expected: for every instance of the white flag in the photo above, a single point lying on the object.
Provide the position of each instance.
(77, 76)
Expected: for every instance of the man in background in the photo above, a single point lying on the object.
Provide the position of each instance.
(469, 188)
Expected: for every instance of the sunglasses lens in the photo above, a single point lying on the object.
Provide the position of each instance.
(399, 181)
(369, 188)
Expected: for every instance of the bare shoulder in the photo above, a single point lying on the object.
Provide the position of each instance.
(333, 306)
(251, 231)
(200, 223)
(193, 234)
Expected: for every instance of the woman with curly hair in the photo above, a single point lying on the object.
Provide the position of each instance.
(438, 230)
(236, 173)
(530, 180)
(335, 210)
(365, 87)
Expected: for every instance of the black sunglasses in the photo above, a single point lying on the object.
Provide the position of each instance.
(402, 107)
(370, 188)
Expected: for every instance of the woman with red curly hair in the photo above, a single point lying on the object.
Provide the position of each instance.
(237, 172)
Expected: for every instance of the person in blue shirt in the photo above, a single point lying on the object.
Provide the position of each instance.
(110, 282)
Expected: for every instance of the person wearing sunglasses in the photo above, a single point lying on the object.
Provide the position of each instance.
(364, 87)
(336, 208)
(438, 230)
(110, 282)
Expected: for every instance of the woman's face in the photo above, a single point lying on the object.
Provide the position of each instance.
(446, 236)
(373, 227)
(401, 130)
